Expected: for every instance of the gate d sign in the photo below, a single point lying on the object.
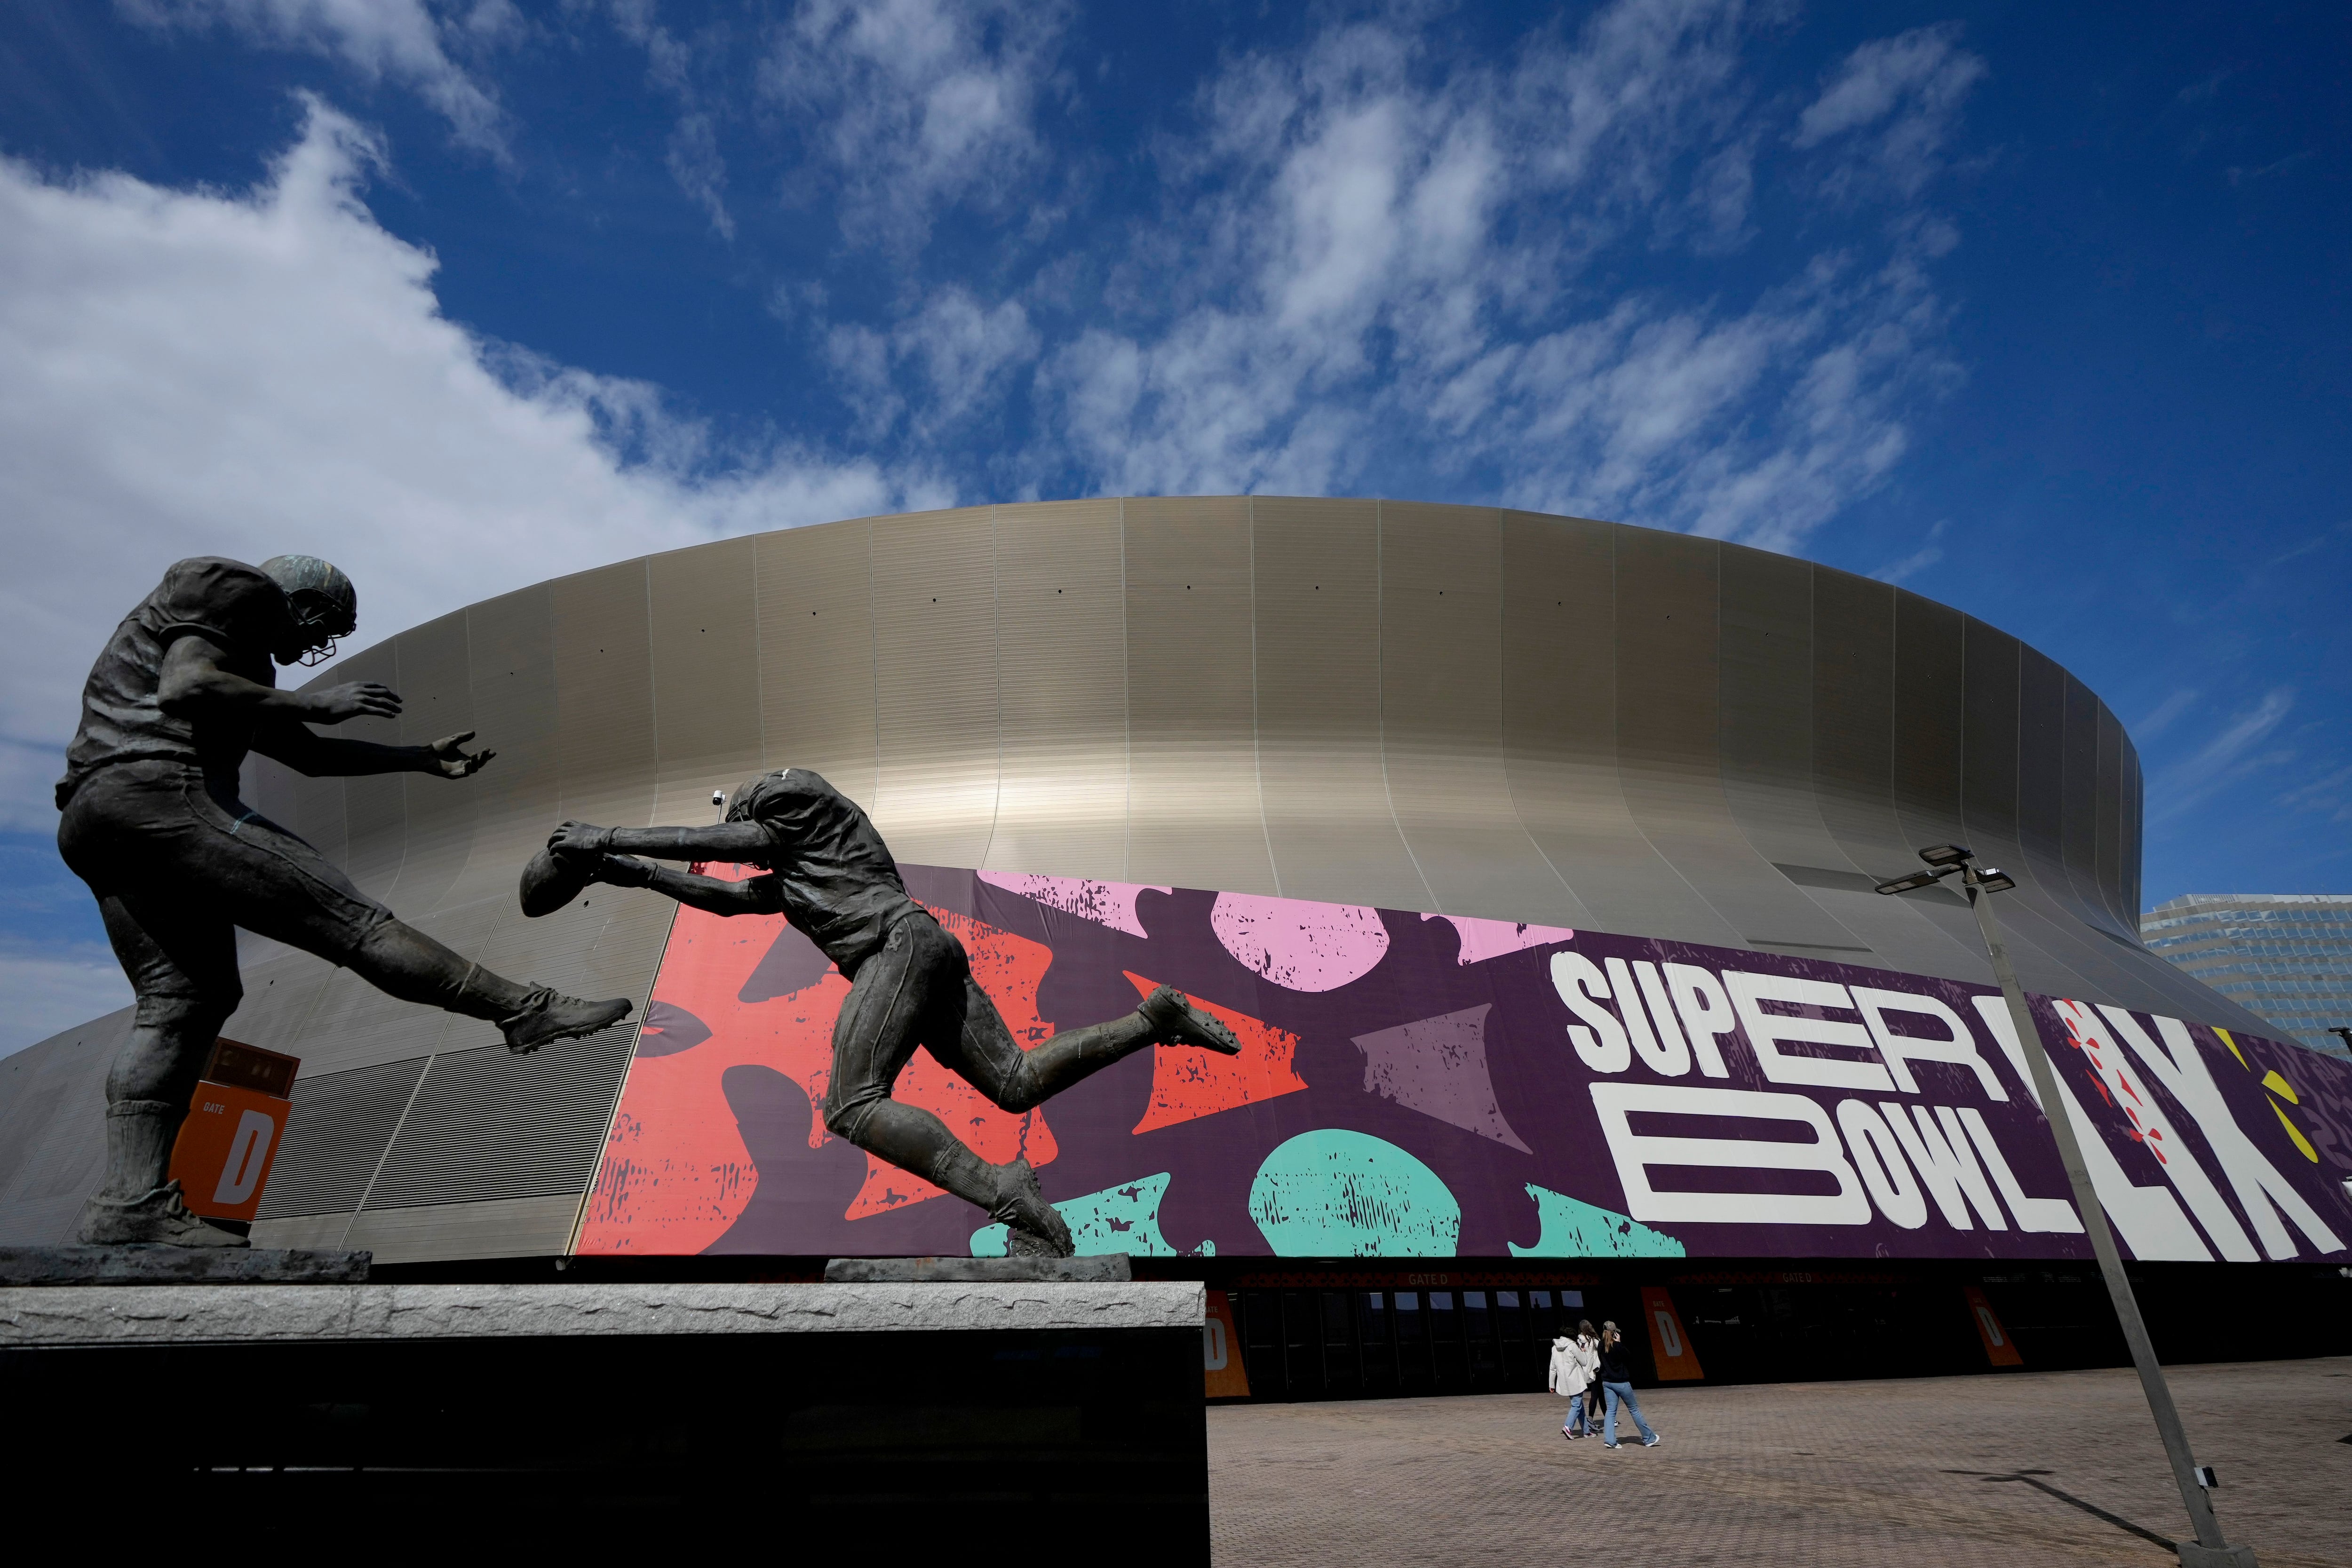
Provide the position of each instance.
(226, 1149)
(1670, 1348)
(1223, 1375)
(1997, 1348)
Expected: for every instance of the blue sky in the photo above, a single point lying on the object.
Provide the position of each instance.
(2038, 311)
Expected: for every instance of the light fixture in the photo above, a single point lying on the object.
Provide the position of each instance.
(2194, 1481)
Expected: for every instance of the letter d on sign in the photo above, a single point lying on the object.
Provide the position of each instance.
(248, 1153)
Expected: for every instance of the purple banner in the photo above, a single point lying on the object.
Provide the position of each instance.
(1422, 1086)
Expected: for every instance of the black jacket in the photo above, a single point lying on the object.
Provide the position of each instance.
(1615, 1367)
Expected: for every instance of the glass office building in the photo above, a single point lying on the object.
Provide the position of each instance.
(2287, 956)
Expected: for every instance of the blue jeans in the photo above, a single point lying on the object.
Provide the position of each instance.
(1576, 1416)
(1623, 1392)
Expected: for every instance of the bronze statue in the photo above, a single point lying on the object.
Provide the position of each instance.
(151, 821)
(826, 870)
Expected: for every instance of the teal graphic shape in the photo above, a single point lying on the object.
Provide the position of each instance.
(1335, 1193)
(1576, 1229)
(1124, 1218)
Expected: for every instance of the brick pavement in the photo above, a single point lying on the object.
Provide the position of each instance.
(1831, 1473)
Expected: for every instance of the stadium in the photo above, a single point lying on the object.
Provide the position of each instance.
(1532, 857)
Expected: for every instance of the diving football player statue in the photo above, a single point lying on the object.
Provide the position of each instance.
(151, 821)
(825, 870)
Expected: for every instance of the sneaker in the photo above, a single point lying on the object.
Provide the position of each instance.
(1652, 1441)
(1607, 1444)
(156, 1216)
(1033, 1228)
(1176, 1021)
(546, 1016)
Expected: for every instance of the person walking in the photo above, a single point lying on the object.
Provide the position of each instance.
(1571, 1375)
(1587, 1352)
(1617, 1384)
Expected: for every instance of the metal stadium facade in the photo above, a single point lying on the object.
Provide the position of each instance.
(1492, 832)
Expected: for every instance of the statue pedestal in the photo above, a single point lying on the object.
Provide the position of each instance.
(1108, 1268)
(944, 1421)
(139, 1265)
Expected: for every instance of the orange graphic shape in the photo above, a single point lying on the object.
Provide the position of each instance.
(1188, 1084)
(676, 1173)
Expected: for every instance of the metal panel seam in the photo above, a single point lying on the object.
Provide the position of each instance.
(759, 671)
(1127, 708)
(390, 1140)
(873, 662)
(1257, 744)
(1503, 675)
(1380, 690)
(1617, 737)
(402, 869)
(996, 670)
(1805, 893)
(652, 686)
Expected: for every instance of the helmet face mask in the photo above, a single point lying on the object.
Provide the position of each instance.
(318, 625)
(322, 604)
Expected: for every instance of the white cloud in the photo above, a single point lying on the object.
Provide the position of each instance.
(2330, 795)
(1918, 561)
(51, 988)
(955, 347)
(403, 40)
(1374, 247)
(701, 173)
(187, 373)
(2165, 714)
(694, 157)
(2230, 756)
(1891, 106)
(917, 105)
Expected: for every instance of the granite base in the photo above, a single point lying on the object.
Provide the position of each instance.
(157, 1265)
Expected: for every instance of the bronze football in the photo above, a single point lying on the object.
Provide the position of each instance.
(550, 881)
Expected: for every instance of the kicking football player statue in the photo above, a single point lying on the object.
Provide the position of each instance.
(826, 870)
(151, 821)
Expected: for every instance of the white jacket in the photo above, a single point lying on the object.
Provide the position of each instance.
(1572, 1365)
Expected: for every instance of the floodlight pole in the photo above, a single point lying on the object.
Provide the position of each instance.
(2209, 1549)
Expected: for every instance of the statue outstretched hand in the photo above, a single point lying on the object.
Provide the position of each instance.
(583, 839)
(448, 757)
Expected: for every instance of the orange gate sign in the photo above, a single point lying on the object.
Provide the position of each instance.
(1669, 1346)
(1998, 1348)
(1221, 1352)
(231, 1136)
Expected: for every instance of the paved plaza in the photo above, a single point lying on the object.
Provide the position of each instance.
(1886, 1472)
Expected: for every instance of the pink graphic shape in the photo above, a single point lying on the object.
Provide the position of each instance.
(1438, 1066)
(1485, 939)
(1299, 945)
(1109, 904)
